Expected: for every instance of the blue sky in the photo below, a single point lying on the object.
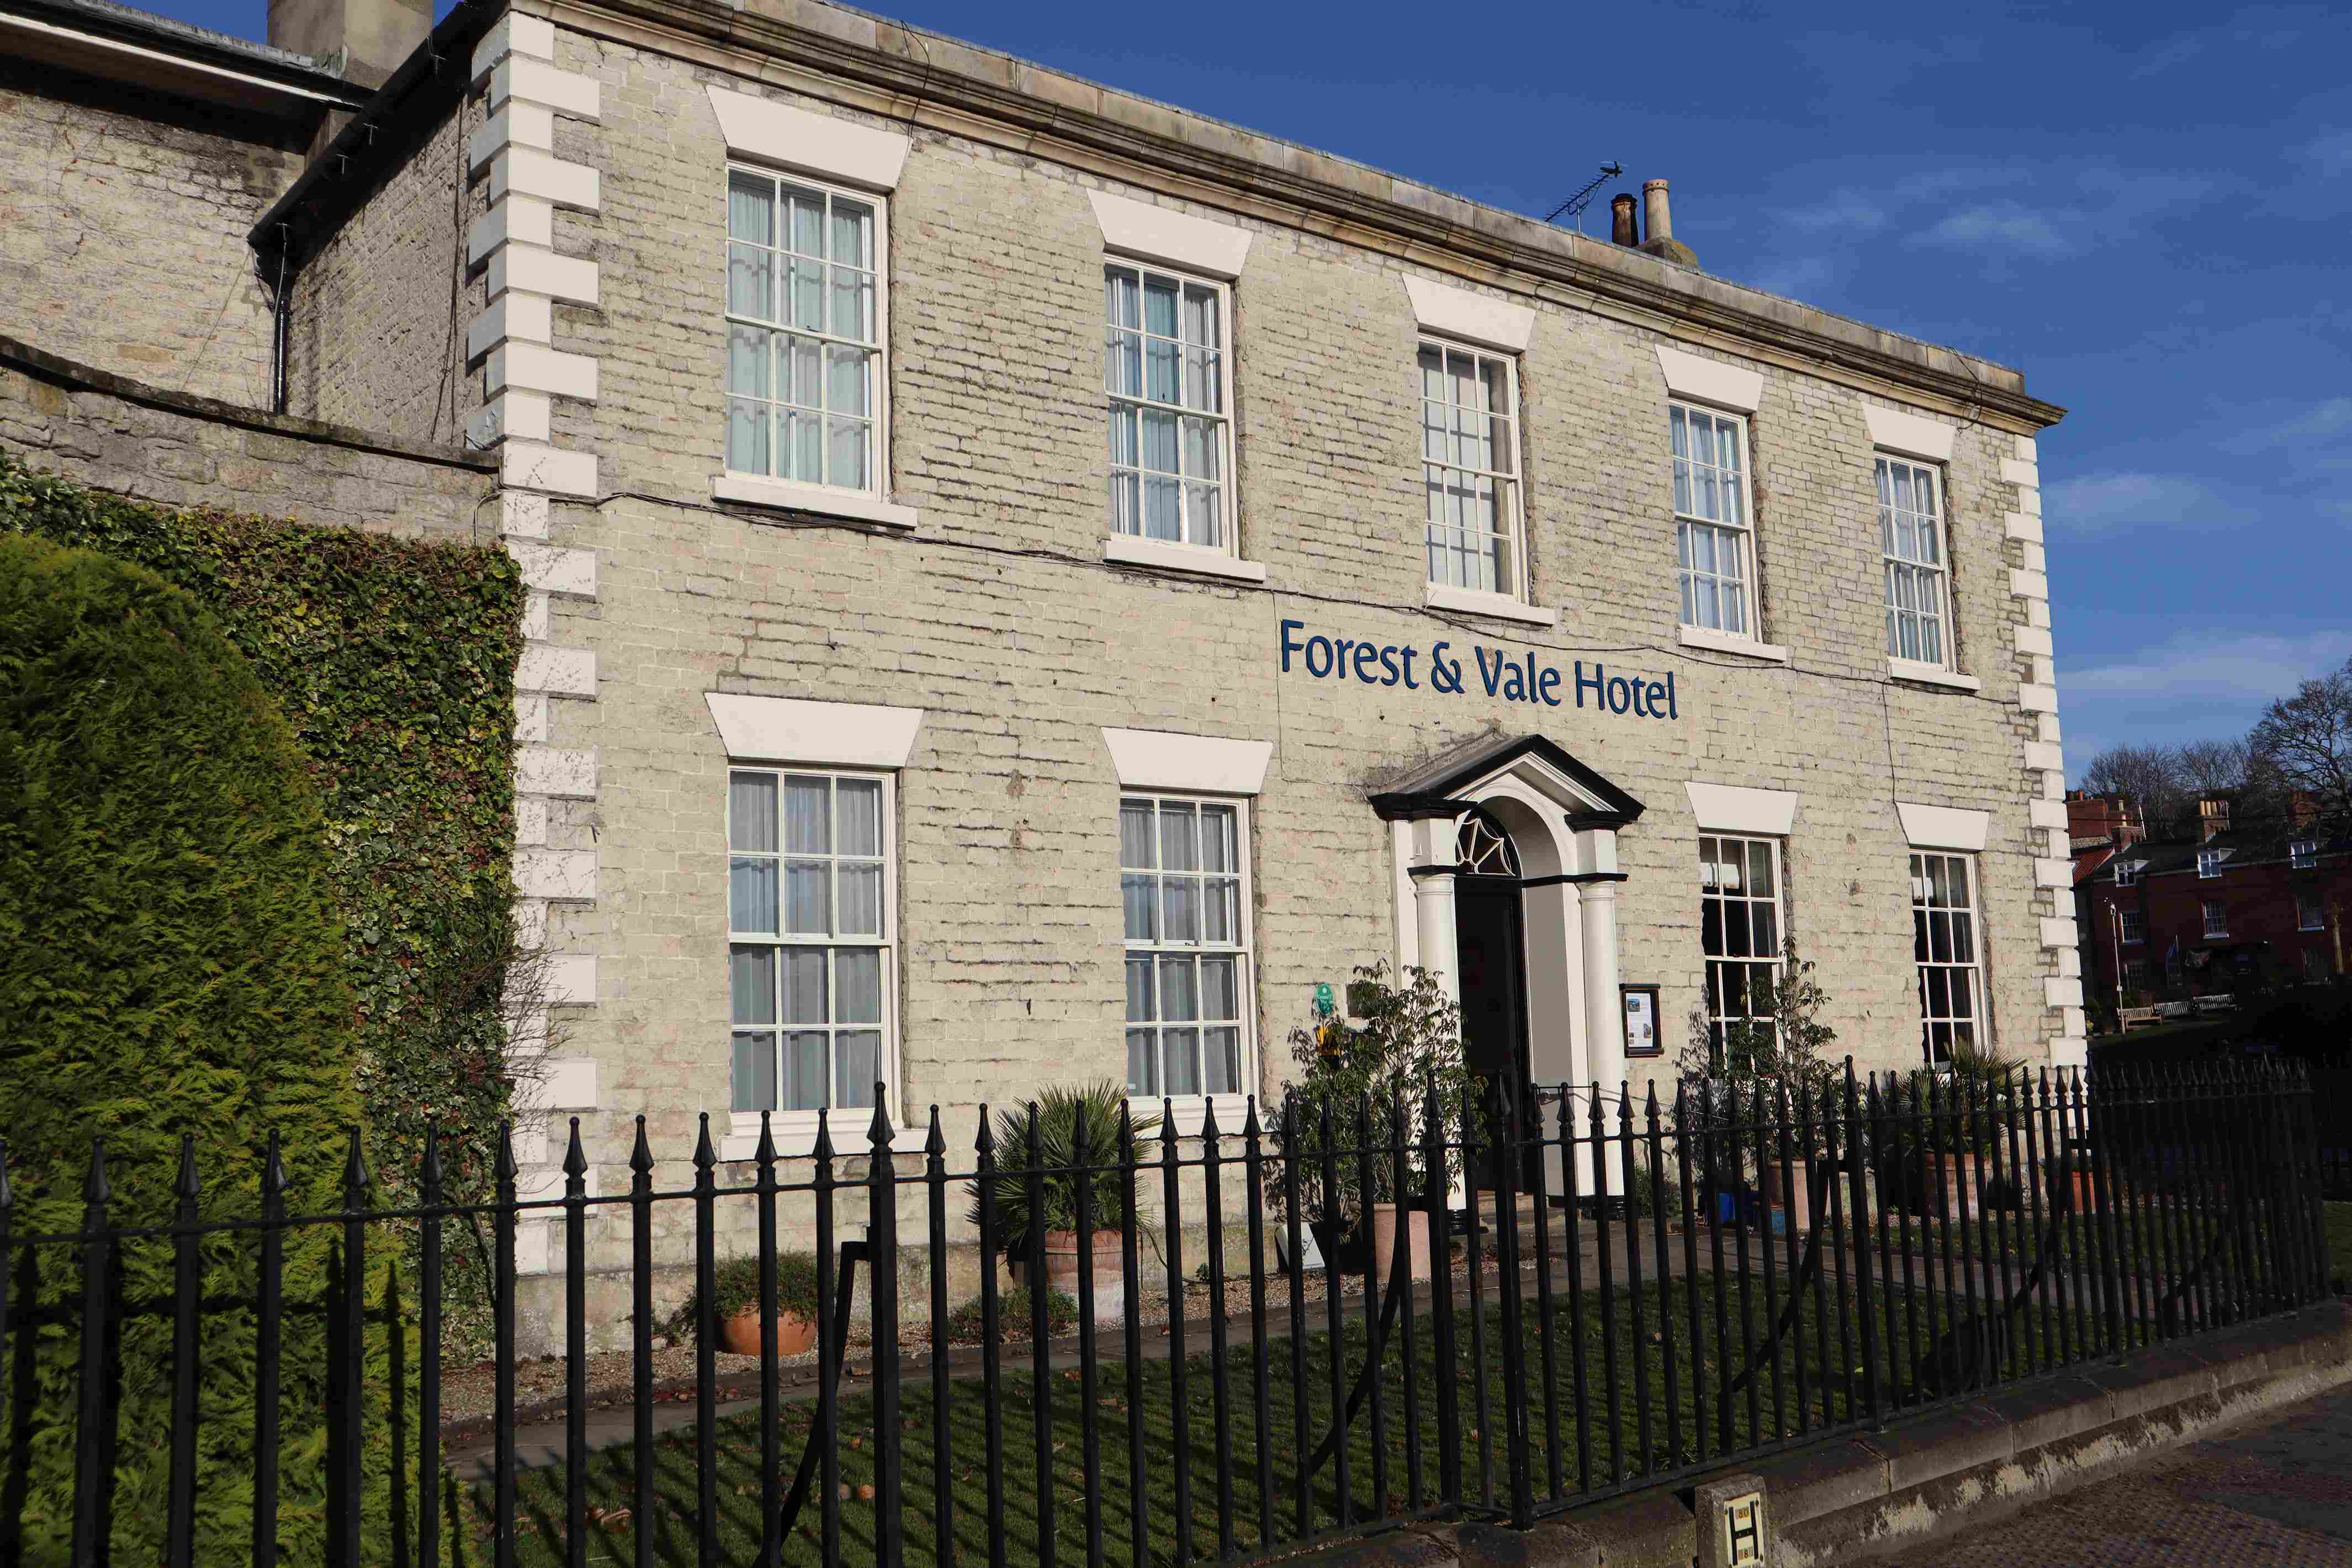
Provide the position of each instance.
(2147, 208)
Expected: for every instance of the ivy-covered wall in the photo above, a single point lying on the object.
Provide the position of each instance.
(394, 660)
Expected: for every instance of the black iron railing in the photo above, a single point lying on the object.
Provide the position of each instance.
(1630, 1290)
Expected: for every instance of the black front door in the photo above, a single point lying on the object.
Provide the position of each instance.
(1492, 958)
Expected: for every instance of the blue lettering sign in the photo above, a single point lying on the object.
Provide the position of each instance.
(1502, 675)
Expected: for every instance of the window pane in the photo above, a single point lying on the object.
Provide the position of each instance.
(857, 986)
(1182, 898)
(860, 1067)
(1139, 991)
(1122, 298)
(1221, 988)
(751, 812)
(847, 441)
(844, 379)
(754, 1075)
(858, 805)
(1142, 1062)
(751, 981)
(806, 987)
(751, 895)
(747, 437)
(1178, 839)
(805, 294)
(1180, 996)
(1217, 838)
(1220, 910)
(861, 898)
(1161, 370)
(1221, 1049)
(751, 207)
(1182, 1050)
(1159, 305)
(808, 816)
(1139, 895)
(808, 898)
(1201, 316)
(804, 1055)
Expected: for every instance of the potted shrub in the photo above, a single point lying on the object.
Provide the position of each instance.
(1402, 1040)
(1949, 1121)
(1048, 1240)
(735, 1304)
(1781, 1055)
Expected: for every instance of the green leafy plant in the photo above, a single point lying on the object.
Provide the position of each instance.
(393, 660)
(1406, 1040)
(170, 966)
(735, 1290)
(1786, 1055)
(1013, 1317)
(1060, 1111)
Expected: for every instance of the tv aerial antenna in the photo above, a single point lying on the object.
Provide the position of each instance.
(1574, 206)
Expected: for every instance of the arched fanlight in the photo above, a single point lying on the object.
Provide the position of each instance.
(1484, 847)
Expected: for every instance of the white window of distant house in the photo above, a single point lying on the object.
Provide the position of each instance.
(1714, 550)
(1911, 537)
(806, 318)
(2209, 863)
(1944, 948)
(1740, 932)
(1171, 406)
(811, 926)
(1184, 888)
(2127, 873)
(2217, 918)
(1469, 467)
(2303, 854)
(2307, 913)
(2134, 925)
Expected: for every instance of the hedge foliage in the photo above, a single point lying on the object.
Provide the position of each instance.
(170, 966)
(394, 661)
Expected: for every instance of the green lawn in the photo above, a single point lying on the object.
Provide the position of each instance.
(1370, 1491)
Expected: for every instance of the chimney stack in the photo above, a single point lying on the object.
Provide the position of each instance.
(363, 41)
(1658, 222)
(1620, 221)
(2212, 816)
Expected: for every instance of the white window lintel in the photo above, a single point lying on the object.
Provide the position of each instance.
(1738, 808)
(818, 735)
(1711, 381)
(1192, 764)
(1908, 435)
(765, 131)
(1944, 826)
(1475, 318)
(1176, 239)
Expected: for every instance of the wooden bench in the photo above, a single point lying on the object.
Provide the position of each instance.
(2222, 1004)
(2127, 1017)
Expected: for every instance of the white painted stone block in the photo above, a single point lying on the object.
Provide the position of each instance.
(563, 874)
(531, 1249)
(514, 33)
(531, 717)
(2016, 471)
(558, 671)
(519, 416)
(533, 81)
(2035, 641)
(571, 980)
(530, 820)
(534, 367)
(513, 314)
(526, 172)
(571, 1082)
(2027, 584)
(566, 773)
(516, 220)
(2051, 872)
(552, 569)
(528, 465)
(516, 125)
(2028, 450)
(2062, 991)
(2069, 958)
(532, 269)
(2036, 698)
(2040, 754)
(2072, 1051)
(2022, 525)
(2057, 933)
(522, 515)
(2048, 814)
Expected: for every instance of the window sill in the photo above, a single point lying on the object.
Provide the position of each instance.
(1932, 674)
(795, 1134)
(1190, 1112)
(1126, 550)
(1445, 596)
(785, 496)
(1731, 642)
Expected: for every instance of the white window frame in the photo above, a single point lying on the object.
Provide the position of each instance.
(2132, 924)
(1514, 478)
(1940, 571)
(2217, 920)
(2303, 854)
(1751, 594)
(2127, 873)
(746, 484)
(1971, 971)
(1745, 901)
(2209, 865)
(1229, 543)
(1188, 1109)
(2310, 912)
(795, 1131)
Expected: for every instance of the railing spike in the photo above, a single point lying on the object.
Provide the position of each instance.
(575, 1158)
(188, 1186)
(641, 1158)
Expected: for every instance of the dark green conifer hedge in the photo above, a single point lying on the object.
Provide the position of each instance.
(172, 963)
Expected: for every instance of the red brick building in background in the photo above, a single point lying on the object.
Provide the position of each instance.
(2200, 916)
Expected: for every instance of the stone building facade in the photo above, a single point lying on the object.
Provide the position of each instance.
(1205, 543)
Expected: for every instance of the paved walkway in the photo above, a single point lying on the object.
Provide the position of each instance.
(2277, 1494)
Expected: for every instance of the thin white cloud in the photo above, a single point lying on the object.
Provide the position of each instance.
(2005, 227)
(2197, 686)
(2103, 503)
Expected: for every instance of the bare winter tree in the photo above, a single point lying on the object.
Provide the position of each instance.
(2147, 776)
(2307, 741)
(2210, 767)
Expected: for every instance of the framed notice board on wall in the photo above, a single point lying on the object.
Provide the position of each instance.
(1642, 1021)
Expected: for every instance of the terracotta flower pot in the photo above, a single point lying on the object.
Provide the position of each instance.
(1795, 1206)
(739, 1335)
(1107, 1279)
(1384, 1241)
(1959, 1179)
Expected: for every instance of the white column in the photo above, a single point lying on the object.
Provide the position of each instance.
(1604, 1028)
(1432, 906)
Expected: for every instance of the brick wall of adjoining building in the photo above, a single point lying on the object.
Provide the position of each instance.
(122, 231)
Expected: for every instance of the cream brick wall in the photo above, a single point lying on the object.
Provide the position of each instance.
(122, 232)
(999, 618)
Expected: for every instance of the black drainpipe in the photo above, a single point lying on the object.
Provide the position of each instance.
(282, 310)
